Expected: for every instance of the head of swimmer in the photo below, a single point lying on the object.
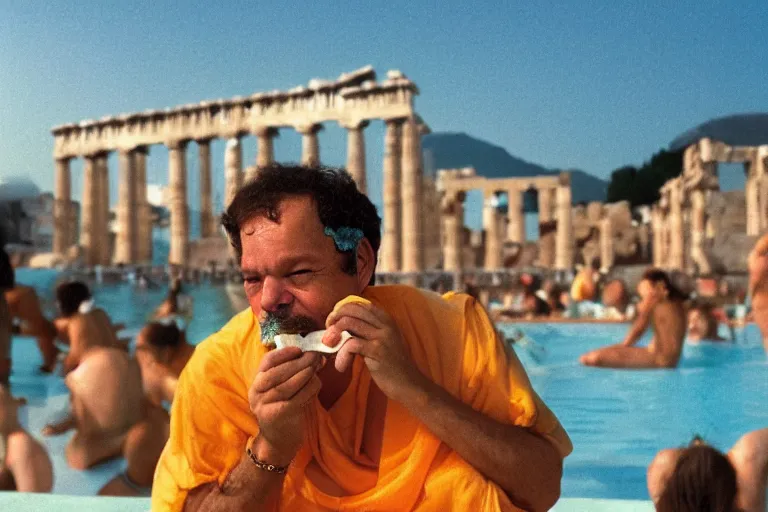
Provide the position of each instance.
(284, 226)
(698, 478)
(161, 341)
(69, 297)
(657, 286)
(702, 323)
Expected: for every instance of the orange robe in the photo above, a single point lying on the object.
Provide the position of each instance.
(450, 339)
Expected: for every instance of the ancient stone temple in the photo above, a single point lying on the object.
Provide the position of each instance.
(353, 100)
(683, 231)
(556, 248)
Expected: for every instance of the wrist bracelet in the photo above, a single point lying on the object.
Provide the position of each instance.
(264, 466)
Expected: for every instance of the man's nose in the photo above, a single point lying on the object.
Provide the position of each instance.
(274, 294)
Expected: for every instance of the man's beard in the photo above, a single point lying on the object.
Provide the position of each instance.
(280, 322)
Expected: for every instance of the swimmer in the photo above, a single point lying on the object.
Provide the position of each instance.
(699, 478)
(24, 307)
(757, 264)
(615, 298)
(81, 325)
(175, 304)
(24, 462)
(661, 306)
(702, 324)
(162, 352)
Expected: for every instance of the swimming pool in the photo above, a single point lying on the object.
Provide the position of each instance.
(617, 420)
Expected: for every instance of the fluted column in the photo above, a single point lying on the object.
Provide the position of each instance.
(127, 215)
(752, 198)
(546, 231)
(390, 243)
(761, 173)
(310, 148)
(493, 246)
(207, 222)
(564, 236)
(265, 155)
(676, 240)
(606, 243)
(88, 212)
(657, 225)
(61, 206)
(356, 153)
(233, 174)
(177, 185)
(452, 216)
(143, 209)
(515, 217)
(698, 231)
(104, 244)
(411, 194)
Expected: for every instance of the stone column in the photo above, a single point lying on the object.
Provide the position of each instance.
(143, 209)
(356, 153)
(390, 243)
(233, 163)
(104, 243)
(657, 226)
(411, 195)
(266, 151)
(676, 258)
(515, 217)
(177, 187)
(493, 246)
(61, 206)
(606, 243)
(564, 236)
(752, 199)
(310, 148)
(452, 216)
(89, 204)
(546, 231)
(761, 174)
(207, 222)
(127, 214)
(698, 231)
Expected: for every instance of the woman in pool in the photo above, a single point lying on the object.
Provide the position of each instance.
(703, 324)
(176, 305)
(661, 306)
(162, 352)
(699, 478)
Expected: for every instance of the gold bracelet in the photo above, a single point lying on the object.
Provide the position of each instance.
(264, 466)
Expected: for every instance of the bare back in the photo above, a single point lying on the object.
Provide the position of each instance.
(24, 304)
(86, 331)
(107, 394)
(669, 328)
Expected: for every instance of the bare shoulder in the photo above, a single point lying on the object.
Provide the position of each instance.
(750, 446)
(22, 446)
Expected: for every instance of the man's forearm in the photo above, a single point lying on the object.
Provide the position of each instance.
(526, 466)
(246, 488)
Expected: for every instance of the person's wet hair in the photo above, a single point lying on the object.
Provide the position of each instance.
(161, 335)
(174, 290)
(338, 201)
(7, 274)
(708, 312)
(69, 296)
(704, 480)
(655, 275)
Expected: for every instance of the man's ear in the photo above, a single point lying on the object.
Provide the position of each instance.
(366, 263)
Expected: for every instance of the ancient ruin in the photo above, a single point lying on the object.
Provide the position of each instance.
(556, 248)
(683, 231)
(353, 100)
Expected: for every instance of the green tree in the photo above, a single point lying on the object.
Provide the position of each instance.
(622, 182)
(641, 186)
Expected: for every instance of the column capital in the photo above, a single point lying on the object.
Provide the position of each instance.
(177, 144)
(265, 131)
(564, 179)
(308, 129)
(204, 141)
(397, 121)
(357, 124)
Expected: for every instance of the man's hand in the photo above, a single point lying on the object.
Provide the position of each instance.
(378, 340)
(287, 380)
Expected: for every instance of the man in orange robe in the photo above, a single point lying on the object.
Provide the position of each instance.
(424, 408)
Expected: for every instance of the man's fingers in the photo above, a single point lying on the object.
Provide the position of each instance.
(290, 387)
(279, 356)
(273, 377)
(346, 354)
(307, 393)
(364, 312)
(354, 326)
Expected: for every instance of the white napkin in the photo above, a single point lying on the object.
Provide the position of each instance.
(312, 342)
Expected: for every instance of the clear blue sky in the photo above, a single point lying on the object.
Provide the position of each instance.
(590, 85)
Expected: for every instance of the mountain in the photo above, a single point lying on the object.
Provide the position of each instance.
(456, 150)
(734, 130)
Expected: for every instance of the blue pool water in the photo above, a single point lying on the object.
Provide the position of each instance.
(617, 420)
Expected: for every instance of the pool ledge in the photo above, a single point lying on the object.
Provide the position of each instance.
(28, 502)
